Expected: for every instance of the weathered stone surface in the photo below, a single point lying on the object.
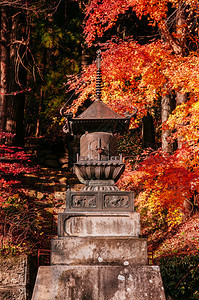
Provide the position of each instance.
(96, 250)
(13, 293)
(105, 200)
(17, 275)
(13, 271)
(99, 283)
(93, 224)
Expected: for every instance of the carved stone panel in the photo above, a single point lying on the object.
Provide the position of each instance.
(115, 201)
(112, 201)
(84, 201)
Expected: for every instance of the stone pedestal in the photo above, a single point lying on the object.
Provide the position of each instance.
(99, 283)
(98, 255)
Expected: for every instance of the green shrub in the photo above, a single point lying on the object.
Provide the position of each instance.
(180, 276)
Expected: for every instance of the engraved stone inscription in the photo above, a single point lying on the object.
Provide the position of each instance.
(111, 201)
(84, 201)
(102, 225)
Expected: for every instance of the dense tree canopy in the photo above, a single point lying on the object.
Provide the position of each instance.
(150, 74)
(40, 45)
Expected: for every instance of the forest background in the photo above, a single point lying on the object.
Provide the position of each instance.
(150, 61)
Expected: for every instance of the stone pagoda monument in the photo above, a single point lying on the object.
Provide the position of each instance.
(98, 254)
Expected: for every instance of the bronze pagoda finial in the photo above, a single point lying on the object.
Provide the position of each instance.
(99, 77)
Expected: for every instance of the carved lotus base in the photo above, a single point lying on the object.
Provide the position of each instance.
(100, 186)
(87, 171)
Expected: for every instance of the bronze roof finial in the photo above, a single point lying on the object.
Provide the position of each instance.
(99, 77)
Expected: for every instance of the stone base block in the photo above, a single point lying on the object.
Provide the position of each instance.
(98, 224)
(14, 293)
(17, 276)
(99, 283)
(96, 250)
(13, 271)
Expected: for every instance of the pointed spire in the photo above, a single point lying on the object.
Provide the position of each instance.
(99, 77)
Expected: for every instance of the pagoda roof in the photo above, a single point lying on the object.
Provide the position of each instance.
(99, 117)
(99, 110)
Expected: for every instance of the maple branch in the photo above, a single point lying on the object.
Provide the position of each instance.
(29, 7)
(170, 40)
(186, 276)
(21, 42)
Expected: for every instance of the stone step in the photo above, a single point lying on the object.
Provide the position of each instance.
(99, 283)
(99, 251)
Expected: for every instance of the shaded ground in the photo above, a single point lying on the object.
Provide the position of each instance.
(181, 240)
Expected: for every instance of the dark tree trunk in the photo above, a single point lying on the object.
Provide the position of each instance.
(17, 80)
(148, 132)
(84, 59)
(4, 62)
(13, 76)
(38, 125)
(45, 59)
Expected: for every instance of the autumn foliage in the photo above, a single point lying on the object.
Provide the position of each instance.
(139, 75)
(24, 225)
(165, 182)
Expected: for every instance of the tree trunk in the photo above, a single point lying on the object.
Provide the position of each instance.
(180, 98)
(148, 132)
(167, 106)
(18, 82)
(4, 62)
(37, 133)
(179, 47)
(45, 58)
(84, 58)
(13, 76)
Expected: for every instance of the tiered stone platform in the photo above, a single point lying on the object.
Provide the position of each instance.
(98, 255)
